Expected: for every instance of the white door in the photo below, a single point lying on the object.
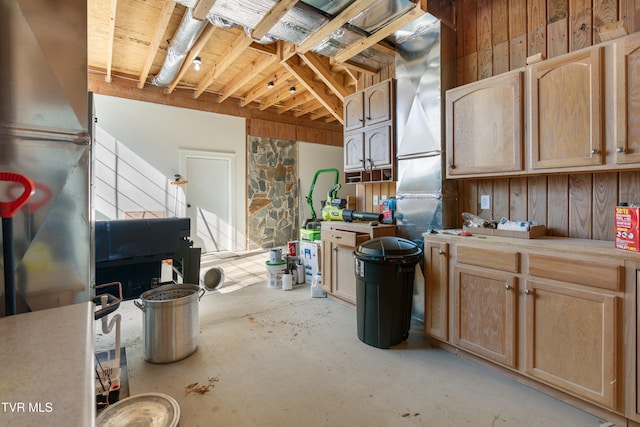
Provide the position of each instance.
(208, 199)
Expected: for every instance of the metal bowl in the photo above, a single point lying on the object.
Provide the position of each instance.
(142, 410)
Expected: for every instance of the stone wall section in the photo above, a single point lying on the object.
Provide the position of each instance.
(272, 192)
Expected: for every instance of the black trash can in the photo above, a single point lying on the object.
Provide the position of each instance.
(385, 268)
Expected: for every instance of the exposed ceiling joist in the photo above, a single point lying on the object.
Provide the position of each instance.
(379, 35)
(206, 34)
(272, 17)
(298, 99)
(262, 88)
(327, 29)
(305, 77)
(257, 66)
(202, 9)
(321, 66)
(165, 15)
(112, 32)
(282, 94)
(241, 43)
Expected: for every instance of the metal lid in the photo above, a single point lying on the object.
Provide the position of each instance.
(148, 409)
(389, 248)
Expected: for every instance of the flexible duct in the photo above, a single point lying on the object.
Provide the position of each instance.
(181, 43)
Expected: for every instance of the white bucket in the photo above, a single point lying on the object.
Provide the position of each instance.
(274, 274)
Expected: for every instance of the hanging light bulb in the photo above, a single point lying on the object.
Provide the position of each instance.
(196, 63)
(270, 85)
(292, 89)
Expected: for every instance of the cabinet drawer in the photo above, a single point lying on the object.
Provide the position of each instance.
(490, 258)
(346, 238)
(585, 271)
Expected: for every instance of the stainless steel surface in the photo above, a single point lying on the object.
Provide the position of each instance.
(171, 321)
(147, 409)
(424, 199)
(44, 134)
(43, 67)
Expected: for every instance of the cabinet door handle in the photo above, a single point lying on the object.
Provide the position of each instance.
(440, 252)
(451, 165)
(336, 237)
(528, 292)
(508, 286)
(594, 151)
(620, 150)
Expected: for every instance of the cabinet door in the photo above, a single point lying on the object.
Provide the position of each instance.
(377, 103)
(354, 152)
(378, 148)
(627, 106)
(484, 127)
(571, 340)
(566, 111)
(343, 275)
(436, 286)
(353, 112)
(485, 313)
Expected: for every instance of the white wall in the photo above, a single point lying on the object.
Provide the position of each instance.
(157, 132)
(312, 157)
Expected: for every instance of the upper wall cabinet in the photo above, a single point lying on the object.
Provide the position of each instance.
(627, 100)
(484, 127)
(369, 130)
(566, 99)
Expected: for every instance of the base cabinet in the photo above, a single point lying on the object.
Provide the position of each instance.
(570, 338)
(485, 313)
(339, 241)
(559, 313)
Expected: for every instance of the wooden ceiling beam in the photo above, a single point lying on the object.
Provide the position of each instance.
(321, 66)
(382, 33)
(271, 18)
(255, 68)
(261, 88)
(204, 37)
(298, 99)
(281, 95)
(112, 31)
(327, 29)
(308, 108)
(305, 77)
(357, 67)
(237, 48)
(202, 9)
(161, 26)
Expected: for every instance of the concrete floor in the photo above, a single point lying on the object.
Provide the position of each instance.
(284, 359)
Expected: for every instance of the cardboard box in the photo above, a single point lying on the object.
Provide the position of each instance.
(627, 228)
(310, 254)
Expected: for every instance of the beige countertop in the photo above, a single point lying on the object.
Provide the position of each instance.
(46, 368)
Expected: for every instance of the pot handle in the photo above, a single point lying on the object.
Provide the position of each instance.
(202, 292)
(140, 306)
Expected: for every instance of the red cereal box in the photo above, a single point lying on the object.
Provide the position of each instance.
(627, 228)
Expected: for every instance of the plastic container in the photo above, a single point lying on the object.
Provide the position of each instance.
(316, 286)
(385, 269)
(274, 273)
(287, 281)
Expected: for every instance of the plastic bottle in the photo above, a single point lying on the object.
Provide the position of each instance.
(316, 287)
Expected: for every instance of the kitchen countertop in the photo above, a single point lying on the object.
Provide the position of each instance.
(46, 367)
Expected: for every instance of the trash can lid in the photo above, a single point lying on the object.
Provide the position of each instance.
(389, 248)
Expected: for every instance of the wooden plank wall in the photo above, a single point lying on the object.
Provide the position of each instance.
(495, 36)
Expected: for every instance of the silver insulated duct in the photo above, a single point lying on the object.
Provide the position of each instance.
(44, 135)
(425, 68)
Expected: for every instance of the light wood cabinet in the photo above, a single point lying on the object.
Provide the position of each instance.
(339, 241)
(369, 134)
(627, 100)
(484, 127)
(570, 335)
(566, 118)
(549, 310)
(436, 295)
(485, 313)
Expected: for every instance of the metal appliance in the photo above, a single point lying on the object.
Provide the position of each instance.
(425, 68)
(131, 251)
(45, 134)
